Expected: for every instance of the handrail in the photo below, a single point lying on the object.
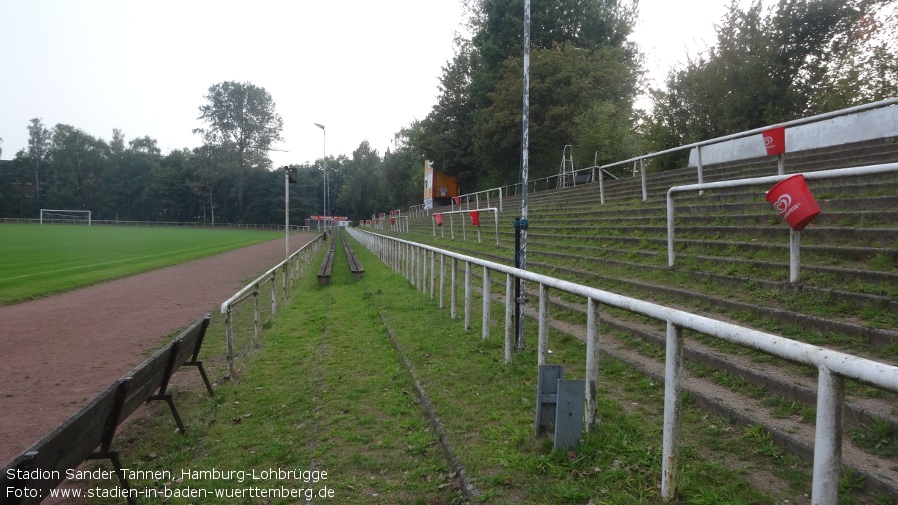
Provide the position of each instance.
(795, 240)
(833, 366)
(291, 267)
(697, 145)
(433, 222)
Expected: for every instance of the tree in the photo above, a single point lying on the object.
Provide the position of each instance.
(801, 58)
(38, 145)
(580, 57)
(241, 116)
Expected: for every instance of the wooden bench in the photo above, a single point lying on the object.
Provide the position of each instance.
(327, 266)
(355, 266)
(88, 433)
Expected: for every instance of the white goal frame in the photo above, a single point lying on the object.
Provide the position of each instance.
(65, 216)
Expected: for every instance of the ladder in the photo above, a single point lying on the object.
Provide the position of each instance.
(567, 167)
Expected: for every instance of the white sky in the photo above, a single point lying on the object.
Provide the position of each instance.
(362, 68)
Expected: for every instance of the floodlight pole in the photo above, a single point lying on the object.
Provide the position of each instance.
(522, 224)
(324, 173)
(287, 212)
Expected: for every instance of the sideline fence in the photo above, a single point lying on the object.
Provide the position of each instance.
(411, 259)
(243, 321)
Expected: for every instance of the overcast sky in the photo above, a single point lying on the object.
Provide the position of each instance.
(362, 68)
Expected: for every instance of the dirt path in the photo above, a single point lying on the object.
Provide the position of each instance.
(57, 353)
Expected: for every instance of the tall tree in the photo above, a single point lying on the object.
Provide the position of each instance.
(800, 58)
(581, 57)
(242, 116)
(38, 146)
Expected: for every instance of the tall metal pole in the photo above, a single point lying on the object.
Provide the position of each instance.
(522, 224)
(287, 212)
(323, 173)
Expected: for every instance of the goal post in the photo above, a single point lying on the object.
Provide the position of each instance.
(65, 216)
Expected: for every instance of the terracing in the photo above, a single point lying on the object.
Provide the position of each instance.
(733, 264)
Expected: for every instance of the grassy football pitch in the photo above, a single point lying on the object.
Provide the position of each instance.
(37, 260)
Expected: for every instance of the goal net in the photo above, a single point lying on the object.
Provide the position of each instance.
(65, 216)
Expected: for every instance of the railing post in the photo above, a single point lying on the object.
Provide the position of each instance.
(794, 255)
(592, 362)
(543, 346)
(487, 286)
(701, 175)
(671, 255)
(453, 295)
(673, 371)
(274, 298)
(413, 266)
(433, 274)
(257, 314)
(423, 277)
(468, 295)
(229, 335)
(442, 278)
(601, 186)
(645, 191)
(509, 315)
(828, 438)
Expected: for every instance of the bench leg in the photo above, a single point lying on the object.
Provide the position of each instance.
(174, 411)
(122, 477)
(199, 366)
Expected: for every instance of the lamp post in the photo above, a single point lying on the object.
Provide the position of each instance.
(289, 178)
(323, 172)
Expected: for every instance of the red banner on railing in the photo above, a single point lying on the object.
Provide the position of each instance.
(439, 219)
(475, 218)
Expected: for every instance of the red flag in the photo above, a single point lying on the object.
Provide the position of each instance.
(439, 219)
(475, 218)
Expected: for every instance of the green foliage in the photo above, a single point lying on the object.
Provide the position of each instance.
(803, 57)
(582, 70)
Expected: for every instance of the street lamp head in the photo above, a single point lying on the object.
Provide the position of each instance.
(319, 125)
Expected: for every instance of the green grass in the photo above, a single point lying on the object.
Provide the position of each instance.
(40, 260)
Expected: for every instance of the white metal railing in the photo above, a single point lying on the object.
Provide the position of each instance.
(794, 236)
(411, 259)
(438, 216)
(757, 131)
(289, 268)
(598, 173)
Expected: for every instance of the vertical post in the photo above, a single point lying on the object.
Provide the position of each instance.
(645, 193)
(525, 173)
(543, 346)
(432, 274)
(257, 314)
(828, 438)
(780, 164)
(601, 186)
(673, 371)
(468, 295)
(794, 255)
(509, 314)
(671, 255)
(229, 334)
(274, 298)
(453, 295)
(287, 211)
(592, 363)
(442, 278)
(487, 286)
(424, 270)
(701, 175)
